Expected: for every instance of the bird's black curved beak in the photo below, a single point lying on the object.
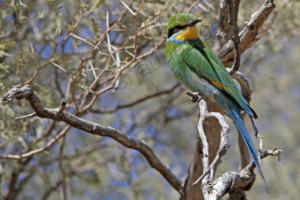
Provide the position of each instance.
(193, 22)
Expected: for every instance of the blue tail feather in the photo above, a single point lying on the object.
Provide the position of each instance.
(245, 106)
(239, 122)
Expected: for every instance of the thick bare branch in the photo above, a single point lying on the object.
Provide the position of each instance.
(205, 146)
(208, 169)
(223, 27)
(95, 129)
(235, 183)
(233, 7)
(248, 35)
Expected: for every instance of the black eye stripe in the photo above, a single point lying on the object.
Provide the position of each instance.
(176, 29)
(179, 27)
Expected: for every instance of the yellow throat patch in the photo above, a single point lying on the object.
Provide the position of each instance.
(189, 33)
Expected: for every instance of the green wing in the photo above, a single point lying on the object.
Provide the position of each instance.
(202, 61)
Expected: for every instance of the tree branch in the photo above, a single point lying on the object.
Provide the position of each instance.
(233, 7)
(233, 183)
(208, 169)
(93, 128)
(37, 151)
(62, 169)
(223, 25)
(248, 35)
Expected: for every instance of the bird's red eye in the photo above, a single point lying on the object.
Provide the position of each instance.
(176, 29)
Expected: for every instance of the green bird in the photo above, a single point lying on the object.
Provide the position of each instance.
(199, 69)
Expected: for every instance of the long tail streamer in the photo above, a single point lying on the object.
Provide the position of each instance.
(239, 122)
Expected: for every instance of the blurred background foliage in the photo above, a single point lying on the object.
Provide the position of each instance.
(35, 37)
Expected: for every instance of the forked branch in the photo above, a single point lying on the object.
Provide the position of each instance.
(60, 114)
(233, 183)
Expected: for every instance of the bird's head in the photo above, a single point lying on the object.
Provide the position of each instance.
(182, 27)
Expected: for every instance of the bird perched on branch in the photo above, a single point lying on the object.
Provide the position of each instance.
(199, 69)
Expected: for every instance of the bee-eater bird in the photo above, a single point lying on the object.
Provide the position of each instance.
(199, 69)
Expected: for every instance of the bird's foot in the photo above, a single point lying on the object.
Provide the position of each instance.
(195, 96)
